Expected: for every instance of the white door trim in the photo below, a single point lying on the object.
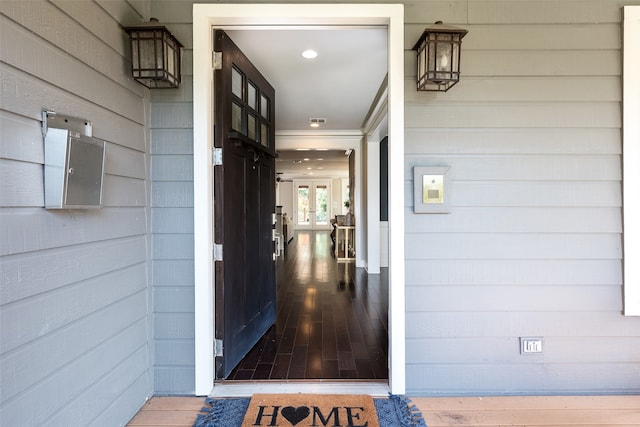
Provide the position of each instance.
(631, 160)
(222, 15)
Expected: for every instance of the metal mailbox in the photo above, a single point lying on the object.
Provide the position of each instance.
(73, 170)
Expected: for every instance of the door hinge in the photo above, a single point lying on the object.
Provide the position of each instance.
(217, 348)
(217, 60)
(217, 157)
(217, 252)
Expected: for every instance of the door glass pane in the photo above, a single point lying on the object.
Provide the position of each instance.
(303, 205)
(236, 83)
(264, 134)
(264, 106)
(252, 94)
(236, 117)
(251, 127)
(321, 205)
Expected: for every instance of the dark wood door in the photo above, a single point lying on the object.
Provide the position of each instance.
(244, 204)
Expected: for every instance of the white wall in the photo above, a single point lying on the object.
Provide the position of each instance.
(286, 201)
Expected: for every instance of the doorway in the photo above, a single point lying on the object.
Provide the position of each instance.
(221, 15)
(312, 203)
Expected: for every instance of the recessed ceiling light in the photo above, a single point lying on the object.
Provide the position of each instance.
(309, 54)
(315, 125)
(303, 149)
(306, 159)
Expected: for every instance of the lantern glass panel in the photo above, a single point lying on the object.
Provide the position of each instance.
(443, 57)
(431, 59)
(147, 56)
(159, 68)
(422, 61)
(171, 60)
(135, 57)
(455, 57)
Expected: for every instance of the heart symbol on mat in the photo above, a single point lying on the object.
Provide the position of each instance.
(295, 415)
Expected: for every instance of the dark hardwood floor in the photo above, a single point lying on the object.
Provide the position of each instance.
(331, 319)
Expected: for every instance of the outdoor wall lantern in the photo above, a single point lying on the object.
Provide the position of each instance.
(155, 55)
(439, 57)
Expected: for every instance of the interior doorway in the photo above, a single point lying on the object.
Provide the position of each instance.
(312, 204)
(206, 16)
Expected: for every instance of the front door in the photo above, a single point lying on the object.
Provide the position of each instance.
(313, 202)
(244, 204)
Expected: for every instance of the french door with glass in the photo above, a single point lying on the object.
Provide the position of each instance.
(313, 205)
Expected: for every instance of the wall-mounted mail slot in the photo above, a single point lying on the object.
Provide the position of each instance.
(73, 170)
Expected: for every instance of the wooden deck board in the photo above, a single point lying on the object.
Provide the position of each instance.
(530, 411)
(528, 402)
(168, 411)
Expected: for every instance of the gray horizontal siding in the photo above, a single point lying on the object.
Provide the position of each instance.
(504, 350)
(172, 218)
(516, 272)
(74, 285)
(551, 324)
(172, 227)
(532, 244)
(535, 377)
(500, 298)
(55, 310)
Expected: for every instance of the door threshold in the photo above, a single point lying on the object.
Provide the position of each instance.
(248, 388)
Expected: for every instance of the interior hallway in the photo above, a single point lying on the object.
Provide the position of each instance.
(331, 318)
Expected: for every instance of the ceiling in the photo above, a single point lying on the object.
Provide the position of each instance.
(339, 85)
(312, 164)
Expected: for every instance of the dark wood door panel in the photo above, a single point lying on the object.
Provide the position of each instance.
(244, 200)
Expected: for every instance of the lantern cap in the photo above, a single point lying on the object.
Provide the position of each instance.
(439, 27)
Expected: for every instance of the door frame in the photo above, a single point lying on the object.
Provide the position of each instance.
(206, 16)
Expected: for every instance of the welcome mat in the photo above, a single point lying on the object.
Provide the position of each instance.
(310, 410)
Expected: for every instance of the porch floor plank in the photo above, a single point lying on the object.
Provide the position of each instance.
(544, 411)
(168, 412)
(532, 411)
